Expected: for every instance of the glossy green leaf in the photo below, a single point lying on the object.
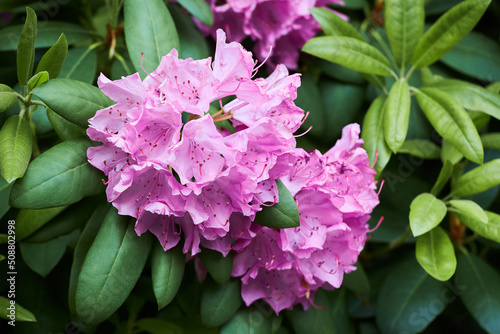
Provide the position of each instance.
(167, 270)
(44, 256)
(74, 100)
(7, 97)
(47, 34)
(372, 133)
(149, 29)
(404, 24)
(426, 212)
(59, 176)
(111, 268)
(481, 292)
(26, 48)
(491, 140)
(248, 320)
(494, 87)
(41, 122)
(283, 214)
(313, 320)
(338, 72)
(435, 253)
(478, 180)
(422, 148)
(65, 129)
(218, 266)
(489, 229)
(450, 153)
(82, 247)
(220, 302)
(444, 176)
(475, 56)
(452, 122)
(29, 221)
(15, 147)
(80, 64)
(333, 25)
(53, 59)
(21, 314)
(38, 79)
(397, 115)
(199, 9)
(471, 97)
(470, 209)
(406, 291)
(357, 280)
(448, 30)
(309, 98)
(349, 52)
(5, 189)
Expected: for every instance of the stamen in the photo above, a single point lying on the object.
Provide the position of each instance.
(142, 55)
(376, 227)
(375, 160)
(255, 70)
(380, 188)
(296, 136)
(270, 204)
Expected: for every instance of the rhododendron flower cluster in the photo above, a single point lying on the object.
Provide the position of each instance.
(279, 27)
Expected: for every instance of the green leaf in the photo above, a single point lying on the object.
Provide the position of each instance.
(397, 115)
(248, 320)
(82, 247)
(38, 79)
(407, 290)
(313, 320)
(433, 7)
(426, 212)
(157, 326)
(470, 209)
(491, 140)
(15, 147)
(217, 265)
(448, 30)
(74, 100)
(452, 122)
(444, 176)
(450, 153)
(404, 24)
(471, 97)
(21, 314)
(65, 129)
(80, 64)
(476, 56)
(333, 25)
(349, 52)
(53, 59)
(481, 291)
(421, 148)
(283, 214)
(220, 302)
(29, 221)
(435, 253)
(309, 98)
(494, 87)
(372, 133)
(149, 29)
(357, 280)
(111, 268)
(167, 270)
(59, 176)
(5, 189)
(199, 9)
(478, 180)
(42, 257)
(26, 48)
(489, 229)
(7, 97)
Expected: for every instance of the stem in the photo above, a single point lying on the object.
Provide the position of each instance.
(122, 61)
(410, 72)
(392, 245)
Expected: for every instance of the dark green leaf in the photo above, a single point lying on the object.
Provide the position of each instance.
(313, 320)
(38, 79)
(199, 9)
(397, 115)
(421, 148)
(489, 229)
(59, 176)
(339, 72)
(26, 48)
(470, 209)
(220, 302)
(167, 270)
(42, 257)
(478, 180)
(426, 212)
(349, 52)
(149, 29)
(433, 7)
(192, 43)
(283, 214)
(373, 134)
(157, 326)
(407, 290)
(448, 30)
(436, 254)
(29, 221)
(333, 25)
(21, 314)
(452, 122)
(5, 189)
(7, 97)
(15, 147)
(43, 128)
(357, 280)
(444, 176)
(248, 320)
(111, 268)
(354, 4)
(404, 24)
(491, 140)
(53, 59)
(218, 266)
(481, 291)
(65, 129)
(309, 98)
(80, 64)
(74, 100)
